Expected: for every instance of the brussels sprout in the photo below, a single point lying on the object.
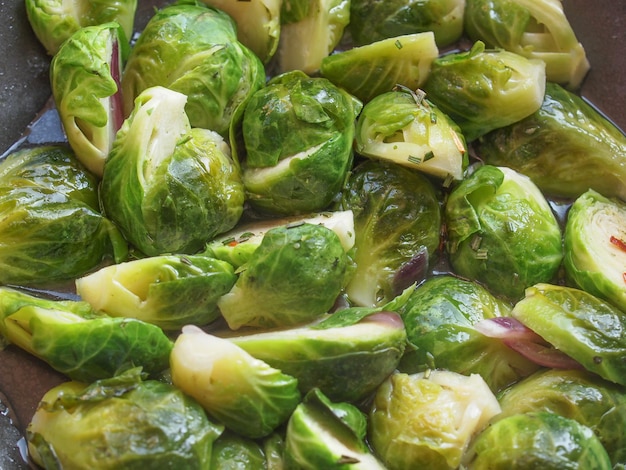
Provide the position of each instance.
(582, 326)
(85, 74)
(79, 342)
(304, 43)
(120, 423)
(169, 188)
(373, 20)
(578, 395)
(439, 318)
(54, 21)
(248, 396)
(402, 127)
(319, 437)
(397, 222)
(376, 68)
(51, 228)
(537, 29)
(233, 452)
(426, 421)
(258, 23)
(502, 232)
(293, 277)
(482, 90)
(566, 147)
(168, 291)
(237, 246)
(537, 440)
(179, 48)
(595, 246)
(298, 134)
(346, 362)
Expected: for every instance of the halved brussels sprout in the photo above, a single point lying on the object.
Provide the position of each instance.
(85, 75)
(502, 232)
(298, 134)
(346, 363)
(169, 187)
(319, 436)
(482, 90)
(565, 147)
(168, 291)
(581, 325)
(293, 277)
(575, 394)
(120, 423)
(258, 23)
(595, 246)
(373, 69)
(50, 225)
(426, 421)
(237, 246)
(79, 342)
(54, 21)
(402, 127)
(304, 42)
(182, 45)
(537, 440)
(248, 396)
(397, 223)
(440, 317)
(537, 29)
(373, 20)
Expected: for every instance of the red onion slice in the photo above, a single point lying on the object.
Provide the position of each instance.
(526, 342)
(544, 355)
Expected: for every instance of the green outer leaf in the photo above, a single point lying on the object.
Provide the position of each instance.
(439, 318)
(373, 20)
(594, 258)
(231, 451)
(502, 232)
(591, 331)
(88, 349)
(370, 70)
(46, 236)
(33, 167)
(293, 277)
(346, 363)
(574, 394)
(54, 21)
(512, 443)
(565, 147)
(150, 425)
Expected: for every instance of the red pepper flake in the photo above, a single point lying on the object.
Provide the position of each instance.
(233, 243)
(621, 244)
